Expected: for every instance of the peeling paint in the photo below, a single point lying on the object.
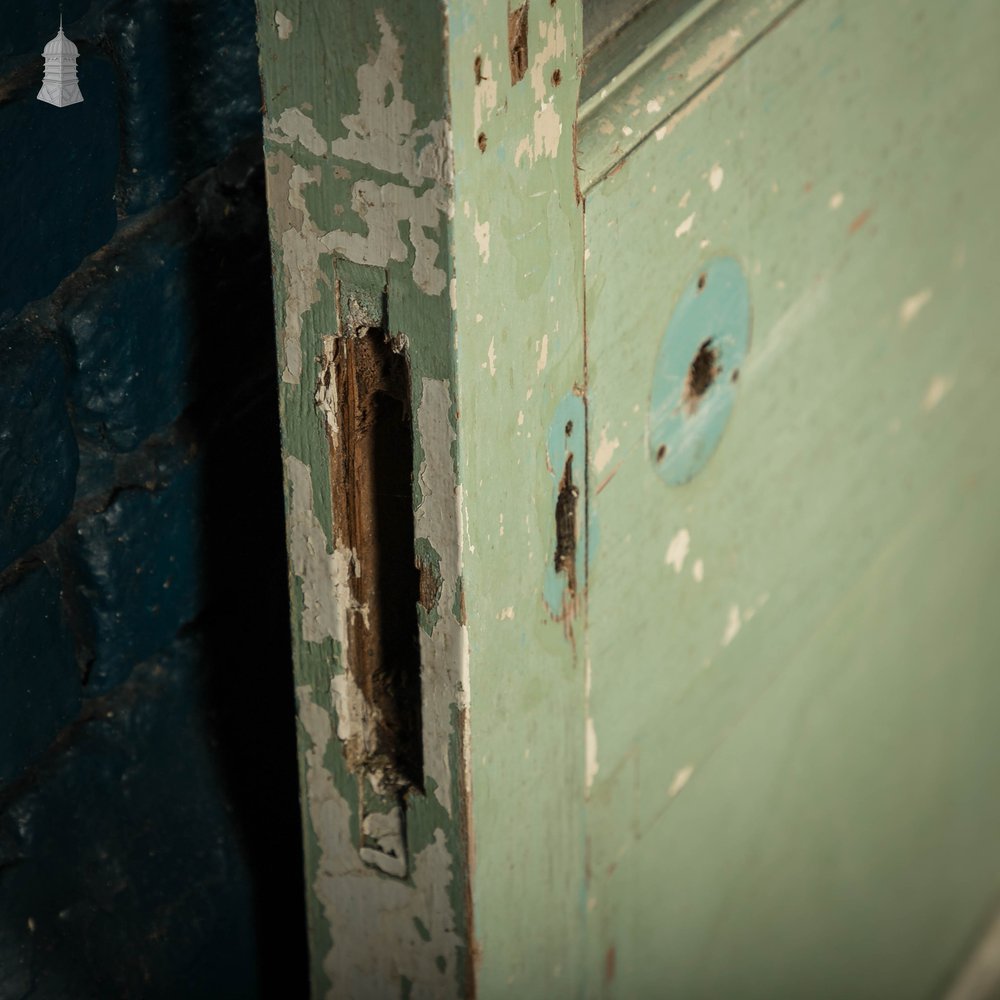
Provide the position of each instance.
(698, 570)
(444, 653)
(384, 136)
(715, 177)
(355, 898)
(323, 575)
(300, 253)
(553, 36)
(293, 125)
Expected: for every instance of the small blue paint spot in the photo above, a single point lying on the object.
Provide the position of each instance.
(696, 370)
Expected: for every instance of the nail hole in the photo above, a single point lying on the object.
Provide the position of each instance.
(569, 427)
(556, 77)
(481, 142)
(661, 453)
(702, 280)
(477, 68)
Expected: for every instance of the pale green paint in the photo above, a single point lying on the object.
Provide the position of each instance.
(796, 716)
(520, 352)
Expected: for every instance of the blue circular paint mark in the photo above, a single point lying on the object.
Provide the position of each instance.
(697, 367)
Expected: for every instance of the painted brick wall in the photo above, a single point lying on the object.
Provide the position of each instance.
(148, 816)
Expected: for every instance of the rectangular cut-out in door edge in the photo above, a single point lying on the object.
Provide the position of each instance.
(655, 68)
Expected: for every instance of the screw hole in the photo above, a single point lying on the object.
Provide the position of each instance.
(661, 453)
(702, 373)
(702, 280)
(481, 142)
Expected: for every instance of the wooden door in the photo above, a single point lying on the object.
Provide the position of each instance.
(641, 491)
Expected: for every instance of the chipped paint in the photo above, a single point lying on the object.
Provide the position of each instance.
(283, 25)
(543, 357)
(698, 570)
(718, 52)
(678, 549)
(836, 200)
(937, 389)
(911, 307)
(553, 37)
(354, 897)
(685, 227)
(715, 177)
(444, 652)
(484, 98)
(481, 233)
(385, 136)
(300, 251)
(605, 451)
(681, 778)
(733, 624)
(294, 125)
(322, 575)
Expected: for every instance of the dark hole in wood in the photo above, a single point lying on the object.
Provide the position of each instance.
(481, 142)
(556, 77)
(702, 279)
(517, 43)
(372, 462)
(702, 373)
(569, 427)
(477, 67)
(661, 453)
(566, 501)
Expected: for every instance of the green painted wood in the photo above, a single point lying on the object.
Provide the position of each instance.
(360, 193)
(519, 302)
(421, 180)
(794, 690)
(659, 65)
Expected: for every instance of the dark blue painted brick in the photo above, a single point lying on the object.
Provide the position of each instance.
(38, 453)
(190, 89)
(138, 564)
(120, 869)
(132, 328)
(39, 678)
(57, 184)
